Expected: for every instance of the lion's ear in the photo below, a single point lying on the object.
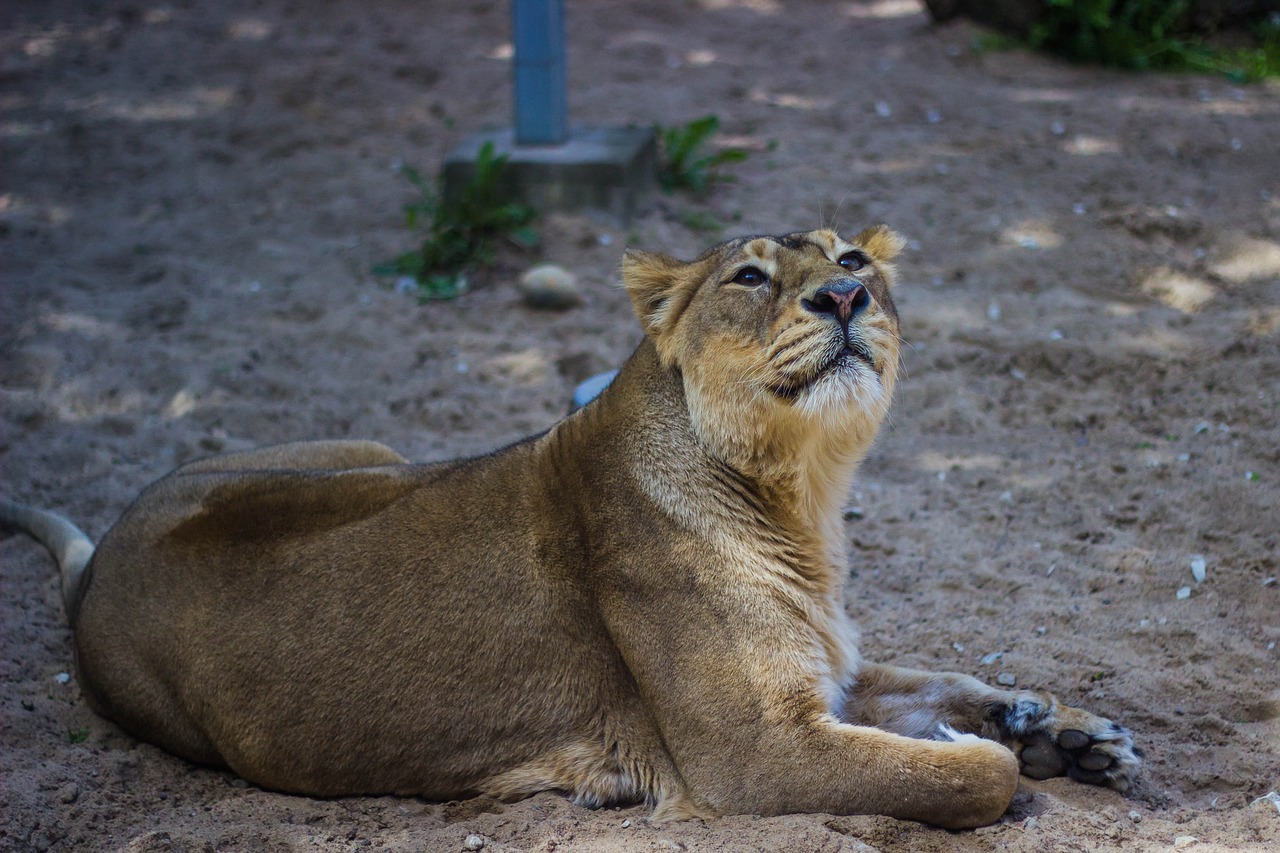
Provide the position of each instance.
(880, 243)
(652, 282)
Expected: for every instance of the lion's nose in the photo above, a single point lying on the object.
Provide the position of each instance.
(844, 301)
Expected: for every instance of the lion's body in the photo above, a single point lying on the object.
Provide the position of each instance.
(643, 602)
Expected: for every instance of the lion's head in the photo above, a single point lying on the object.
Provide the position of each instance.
(787, 346)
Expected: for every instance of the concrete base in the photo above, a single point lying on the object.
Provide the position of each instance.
(604, 169)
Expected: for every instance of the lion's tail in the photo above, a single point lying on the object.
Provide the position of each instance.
(70, 547)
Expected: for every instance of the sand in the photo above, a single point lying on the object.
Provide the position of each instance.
(194, 194)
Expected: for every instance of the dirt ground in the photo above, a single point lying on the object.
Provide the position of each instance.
(194, 194)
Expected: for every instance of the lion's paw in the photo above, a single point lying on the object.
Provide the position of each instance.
(1056, 740)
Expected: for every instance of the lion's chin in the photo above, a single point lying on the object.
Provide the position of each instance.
(849, 385)
(852, 368)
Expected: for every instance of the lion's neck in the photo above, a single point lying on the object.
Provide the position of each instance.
(735, 478)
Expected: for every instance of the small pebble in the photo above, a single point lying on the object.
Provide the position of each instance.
(1006, 679)
(987, 660)
(550, 287)
(883, 109)
(957, 647)
(62, 678)
(1136, 817)
(68, 793)
(993, 311)
(1198, 568)
(1041, 630)
(473, 842)
(1184, 593)
(626, 823)
(1184, 841)
(1269, 797)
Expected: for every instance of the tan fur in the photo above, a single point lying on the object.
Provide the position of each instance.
(642, 603)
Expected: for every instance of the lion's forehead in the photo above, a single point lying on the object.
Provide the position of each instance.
(769, 252)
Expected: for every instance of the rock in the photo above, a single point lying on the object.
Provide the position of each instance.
(68, 793)
(589, 389)
(1184, 841)
(473, 842)
(1006, 679)
(1270, 797)
(550, 287)
(1198, 568)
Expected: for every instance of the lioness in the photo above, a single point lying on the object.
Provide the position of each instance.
(641, 603)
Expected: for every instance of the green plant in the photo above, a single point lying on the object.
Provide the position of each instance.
(79, 735)
(685, 163)
(1147, 34)
(701, 220)
(461, 230)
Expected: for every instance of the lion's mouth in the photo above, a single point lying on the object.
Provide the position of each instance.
(853, 352)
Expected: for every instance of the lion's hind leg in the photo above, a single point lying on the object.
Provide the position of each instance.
(1049, 738)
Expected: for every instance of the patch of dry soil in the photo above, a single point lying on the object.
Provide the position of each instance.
(194, 193)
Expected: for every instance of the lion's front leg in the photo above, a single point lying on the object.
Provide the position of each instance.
(1050, 739)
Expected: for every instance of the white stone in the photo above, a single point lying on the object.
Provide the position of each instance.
(550, 287)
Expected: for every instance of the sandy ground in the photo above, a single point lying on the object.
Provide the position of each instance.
(194, 194)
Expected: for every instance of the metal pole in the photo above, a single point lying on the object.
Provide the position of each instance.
(541, 110)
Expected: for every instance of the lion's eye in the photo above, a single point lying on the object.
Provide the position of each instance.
(852, 260)
(750, 277)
